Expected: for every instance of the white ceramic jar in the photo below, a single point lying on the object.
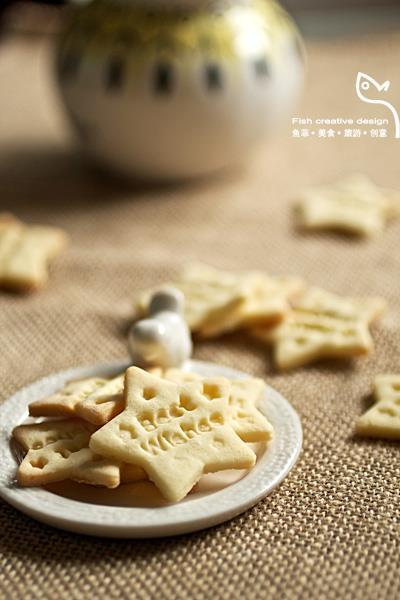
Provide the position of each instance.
(177, 89)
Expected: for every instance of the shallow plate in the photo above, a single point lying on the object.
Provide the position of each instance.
(137, 510)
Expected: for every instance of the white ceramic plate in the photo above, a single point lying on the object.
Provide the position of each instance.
(137, 510)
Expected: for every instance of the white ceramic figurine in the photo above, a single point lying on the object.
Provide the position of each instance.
(177, 88)
(163, 339)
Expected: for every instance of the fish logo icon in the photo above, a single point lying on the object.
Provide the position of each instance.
(369, 90)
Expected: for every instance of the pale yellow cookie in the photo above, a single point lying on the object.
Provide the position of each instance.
(246, 420)
(104, 403)
(174, 432)
(393, 198)
(46, 443)
(63, 402)
(25, 252)
(244, 395)
(218, 301)
(317, 301)
(210, 297)
(266, 303)
(267, 300)
(94, 399)
(322, 325)
(355, 205)
(131, 473)
(362, 184)
(382, 420)
(180, 376)
(58, 450)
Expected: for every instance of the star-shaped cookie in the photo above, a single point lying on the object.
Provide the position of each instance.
(322, 325)
(58, 450)
(266, 303)
(95, 399)
(382, 420)
(355, 205)
(174, 432)
(245, 419)
(63, 402)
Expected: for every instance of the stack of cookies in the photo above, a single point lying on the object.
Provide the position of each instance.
(301, 323)
(217, 302)
(170, 427)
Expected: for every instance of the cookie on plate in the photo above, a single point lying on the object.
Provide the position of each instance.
(174, 432)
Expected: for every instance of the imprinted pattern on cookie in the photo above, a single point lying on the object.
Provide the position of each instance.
(322, 325)
(244, 394)
(382, 420)
(58, 450)
(174, 432)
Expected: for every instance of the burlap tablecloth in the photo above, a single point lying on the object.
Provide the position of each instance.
(331, 529)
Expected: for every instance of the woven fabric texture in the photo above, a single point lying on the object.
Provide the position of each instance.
(331, 530)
